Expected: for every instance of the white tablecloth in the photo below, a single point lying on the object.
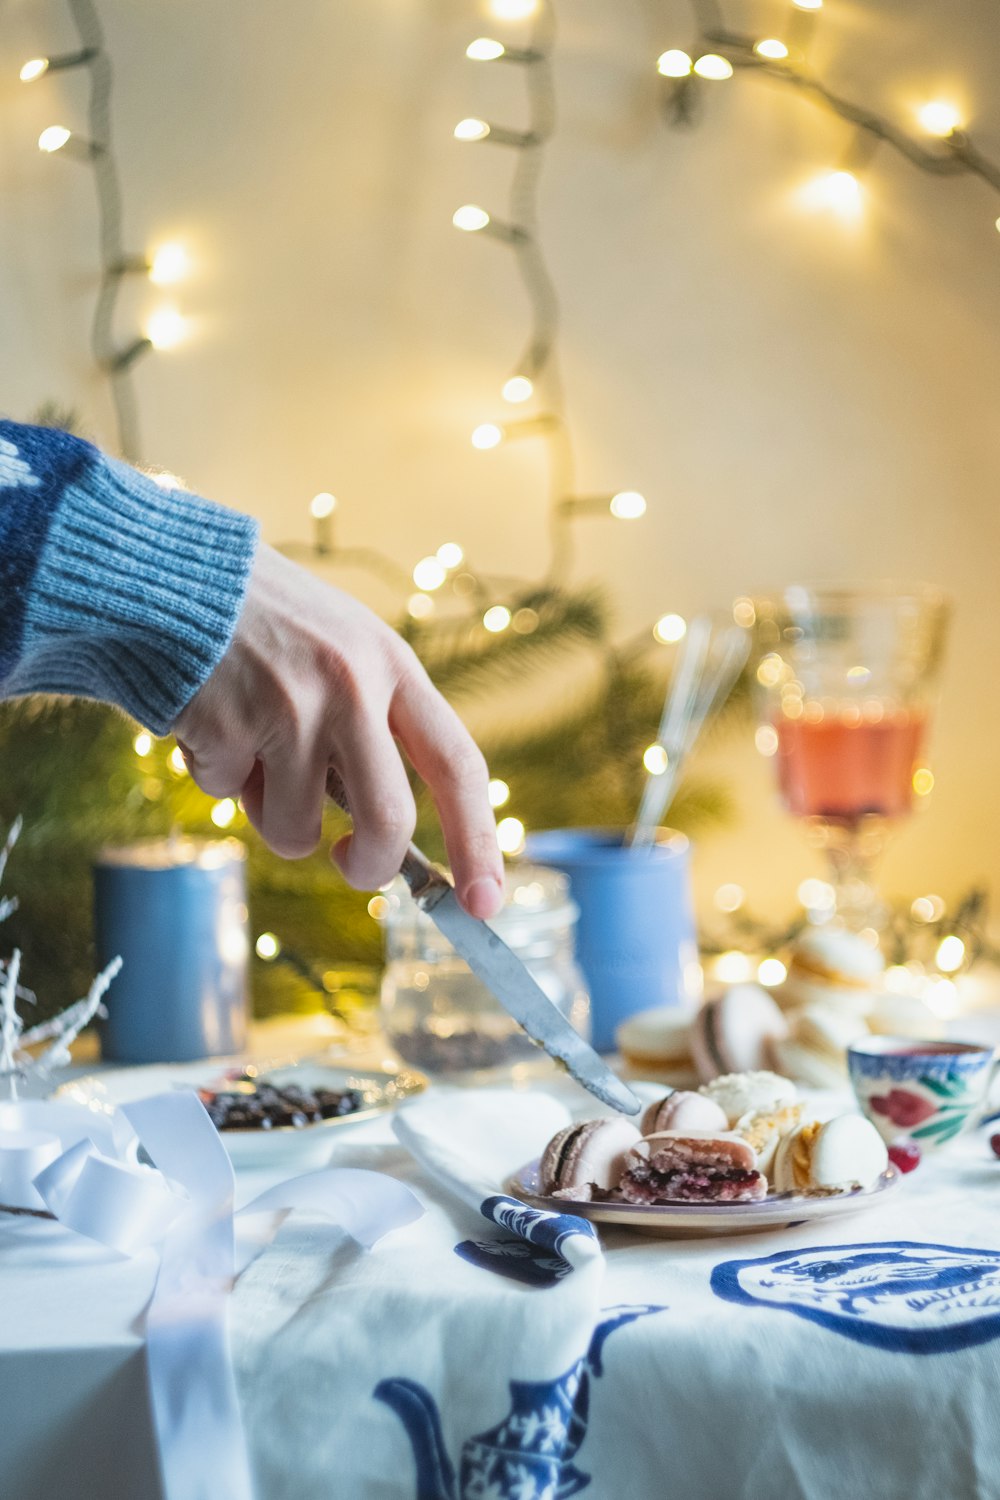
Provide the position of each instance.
(854, 1358)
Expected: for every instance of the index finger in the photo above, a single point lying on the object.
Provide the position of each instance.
(447, 758)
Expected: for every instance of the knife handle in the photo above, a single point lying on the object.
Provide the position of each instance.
(427, 883)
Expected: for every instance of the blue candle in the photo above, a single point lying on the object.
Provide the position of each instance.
(175, 909)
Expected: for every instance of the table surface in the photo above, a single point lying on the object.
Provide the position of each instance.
(446, 1364)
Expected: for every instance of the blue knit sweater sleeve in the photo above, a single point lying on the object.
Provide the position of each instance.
(110, 586)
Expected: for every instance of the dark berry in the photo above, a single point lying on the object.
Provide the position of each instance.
(905, 1156)
(995, 1143)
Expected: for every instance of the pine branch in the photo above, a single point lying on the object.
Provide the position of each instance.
(464, 659)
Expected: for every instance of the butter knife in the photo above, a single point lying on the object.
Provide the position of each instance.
(503, 974)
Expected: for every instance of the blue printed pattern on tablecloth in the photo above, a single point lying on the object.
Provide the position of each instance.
(530, 1454)
(905, 1296)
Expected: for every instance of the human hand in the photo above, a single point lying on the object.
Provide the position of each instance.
(313, 679)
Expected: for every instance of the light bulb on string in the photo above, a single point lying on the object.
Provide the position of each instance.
(267, 946)
(711, 65)
(655, 759)
(450, 555)
(321, 508)
(485, 49)
(517, 389)
(940, 118)
(165, 328)
(168, 265)
(730, 897)
(808, 4)
(429, 574)
(732, 967)
(142, 744)
(950, 954)
(497, 618)
(322, 505)
(53, 138)
(510, 835)
(420, 606)
(513, 10)
(470, 218)
(168, 481)
(37, 67)
(836, 192)
(669, 629)
(627, 505)
(673, 64)
(176, 761)
(771, 48)
(498, 792)
(471, 129)
(487, 435)
(224, 812)
(771, 972)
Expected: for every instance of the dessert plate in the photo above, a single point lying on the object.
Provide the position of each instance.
(101, 1093)
(775, 1211)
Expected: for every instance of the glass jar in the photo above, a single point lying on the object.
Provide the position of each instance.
(440, 1018)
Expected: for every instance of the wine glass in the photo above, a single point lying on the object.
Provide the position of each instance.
(845, 680)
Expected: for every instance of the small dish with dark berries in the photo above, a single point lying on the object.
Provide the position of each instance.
(265, 1112)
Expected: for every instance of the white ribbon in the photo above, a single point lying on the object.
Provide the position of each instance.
(184, 1206)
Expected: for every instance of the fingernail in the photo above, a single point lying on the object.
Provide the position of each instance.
(484, 898)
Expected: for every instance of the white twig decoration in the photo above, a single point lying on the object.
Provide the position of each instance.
(8, 904)
(66, 1027)
(61, 1030)
(10, 1024)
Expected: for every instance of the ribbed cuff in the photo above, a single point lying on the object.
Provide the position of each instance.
(136, 594)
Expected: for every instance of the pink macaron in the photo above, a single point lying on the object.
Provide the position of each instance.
(681, 1111)
(586, 1156)
(694, 1168)
(736, 1032)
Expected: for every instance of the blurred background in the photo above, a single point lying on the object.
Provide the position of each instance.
(801, 381)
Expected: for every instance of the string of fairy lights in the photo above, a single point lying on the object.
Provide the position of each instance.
(163, 265)
(782, 59)
(534, 379)
(532, 389)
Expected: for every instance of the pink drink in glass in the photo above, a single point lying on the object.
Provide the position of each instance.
(845, 768)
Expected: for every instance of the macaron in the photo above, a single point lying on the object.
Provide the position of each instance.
(807, 1067)
(843, 1153)
(586, 1156)
(815, 1051)
(736, 1032)
(658, 1041)
(764, 1130)
(905, 1015)
(739, 1094)
(692, 1167)
(829, 964)
(682, 1110)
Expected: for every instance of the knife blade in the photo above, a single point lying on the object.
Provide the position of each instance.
(504, 975)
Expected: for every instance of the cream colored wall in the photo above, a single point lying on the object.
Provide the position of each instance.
(795, 397)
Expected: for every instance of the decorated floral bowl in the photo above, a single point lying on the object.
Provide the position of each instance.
(927, 1092)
